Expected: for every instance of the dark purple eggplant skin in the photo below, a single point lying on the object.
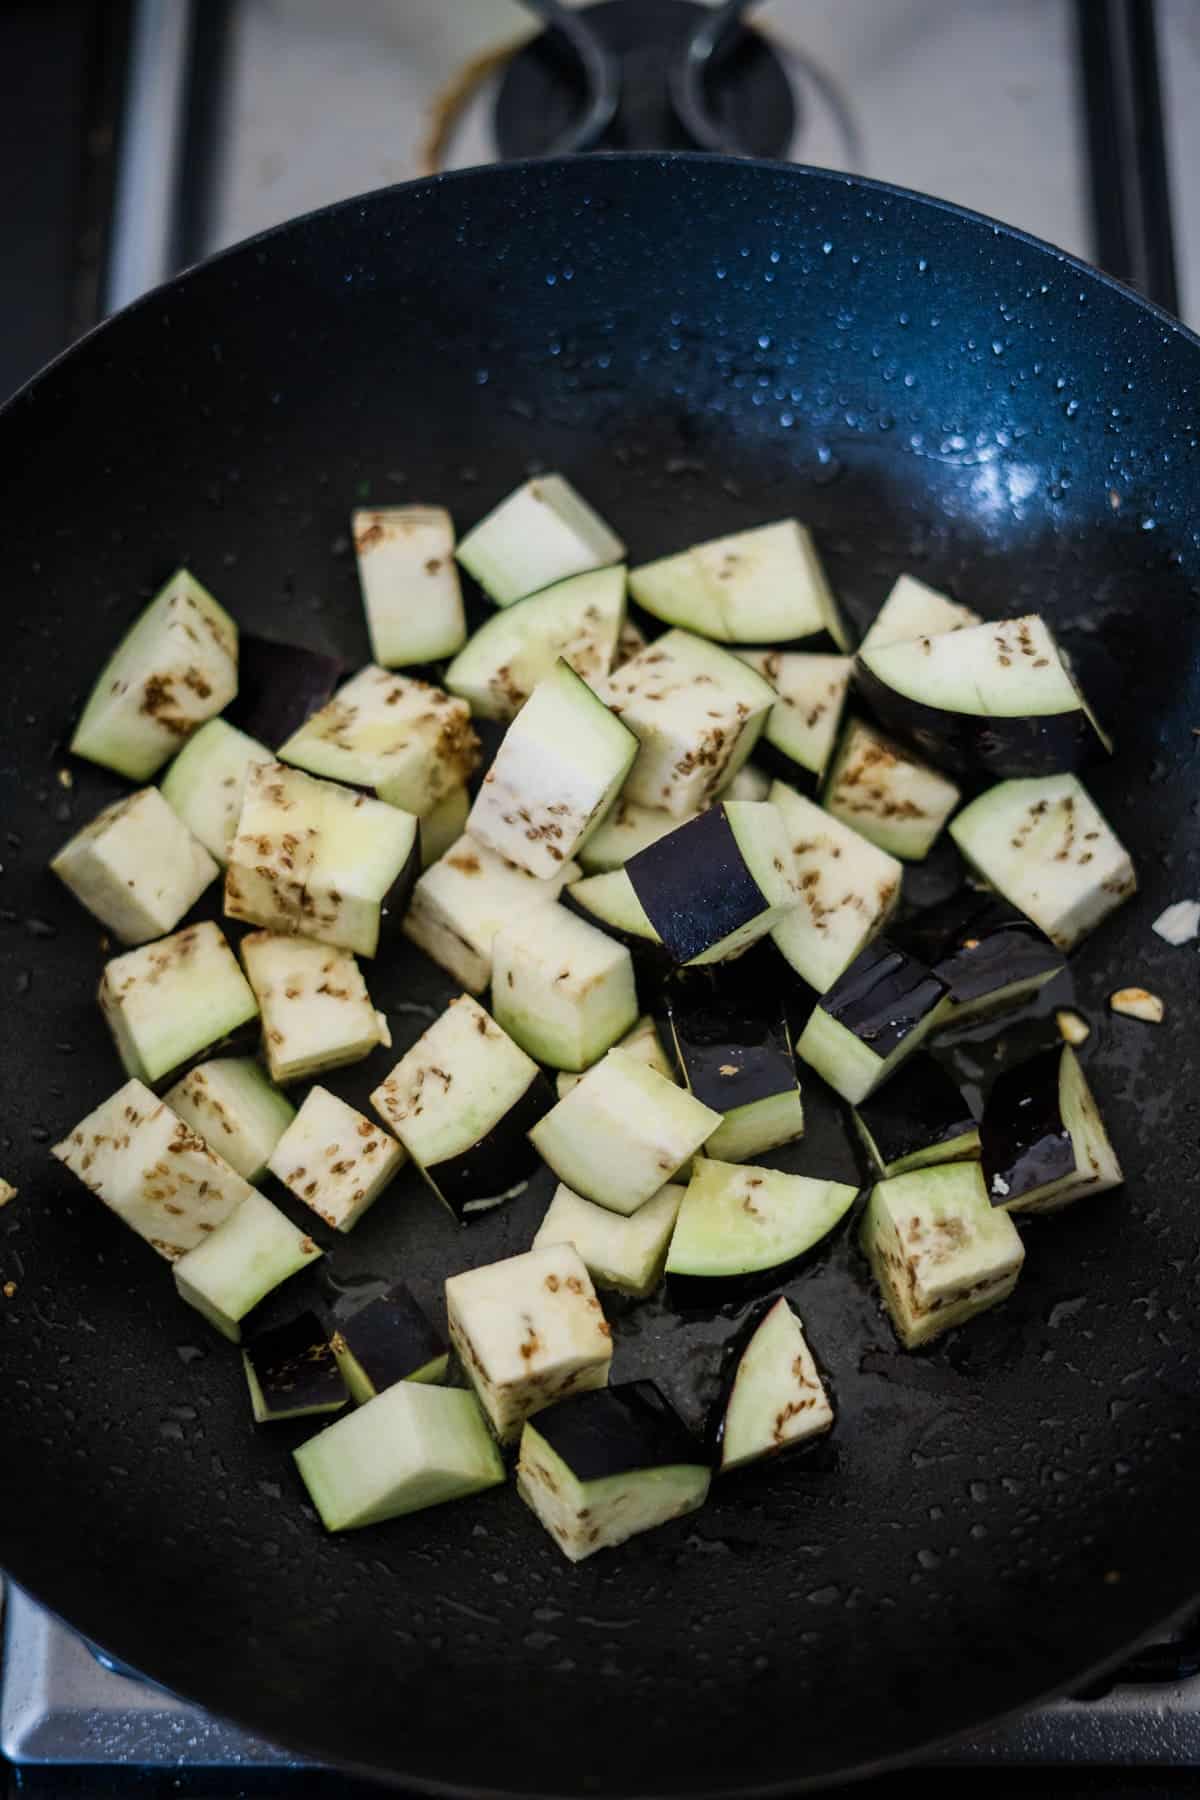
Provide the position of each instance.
(1023, 1136)
(883, 996)
(918, 1108)
(986, 747)
(498, 1160)
(389, 1336)
(728, 1054)
(295, 1366)
(977, 944)
(694, 886)
(280, 686)
(618, 1430)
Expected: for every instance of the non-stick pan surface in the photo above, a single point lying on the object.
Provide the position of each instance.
(700, 345)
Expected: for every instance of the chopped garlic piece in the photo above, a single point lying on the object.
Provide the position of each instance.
(1137, 1003)
(1071, 1028)
(7, 1192)
(1180, 923)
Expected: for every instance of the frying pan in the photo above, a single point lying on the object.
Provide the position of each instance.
(699, 344)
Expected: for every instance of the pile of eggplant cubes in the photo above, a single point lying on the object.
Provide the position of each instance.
(619, 856)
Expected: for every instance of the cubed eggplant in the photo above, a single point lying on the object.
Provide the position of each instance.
(206, 784)
(740, 1224)
(171, 1003)
(989, 955)
(291, 1371)
(628, 1254)
(409, 580)
(913, 610)
(249, 1254)
(775, 1399)
(233, 1106)
(848, 891)
(136, 867)
(579, 619)
(761, 586)
(334, 1160)
(384, 1340)
(917, 1118)
(461, 902)
(539, 534)
(316, 1012)
(738, 1060)
(871, 1019)
(716, 884)
(625, 829)
(279, 686)
(442, 828)
(610, 902)
(888, 794)
(641, 1040)
(1043, 1140)
(801, 729)
(561, 988)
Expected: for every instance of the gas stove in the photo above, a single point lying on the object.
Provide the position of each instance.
(240, 113)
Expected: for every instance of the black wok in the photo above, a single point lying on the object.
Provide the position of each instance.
(700, 345)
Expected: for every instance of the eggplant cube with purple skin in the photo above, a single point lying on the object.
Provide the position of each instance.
(939, 1250)
(462, 1102)
(291, 1371)
(990, 956)
(528, 1331)
(873, 1017)
(387, 1339)
(169, 1002)
(776, 1399)
(136, 867)
(334, 1160)
(316, 1011)
(248, 1255)
(918, 1117)
(718, 883)
(557, 772)
(697, 712)
(887, 793)
(737, 1058)
(1043, 1141)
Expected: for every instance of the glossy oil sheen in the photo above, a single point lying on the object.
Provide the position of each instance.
(700, 346)
(977, 944)
(389, 1335)
(615, 1430)
(731, 1056)
(919, 1107)
(1024, 1141)
(694, 885)
(294, 1364)
(883, 996)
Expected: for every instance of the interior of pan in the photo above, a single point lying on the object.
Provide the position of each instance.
(699, 345)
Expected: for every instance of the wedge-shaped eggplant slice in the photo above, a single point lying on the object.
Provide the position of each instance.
(1047, 848)
(848, 890)
(718, 883)
(248, 1255)
(462, 1101)
(541, 533)
(291, 1371)
(989, 955)
(697, 713)
(628, 1254)
(604, 1466)
(463, 900)
(622, 1132)
(279, 686)
(233, 1106)
(625, 829)
(917, 1118)
(561, 988)
(761, 586)
(993, 699)
(170, 1003)
(643, 1042)
(384, 1340)
(737, 1059)
(1043, 1140)
(334, 1160)
(206, 784)
(316, 1011)
(802, 726)
(579, 619)
(739, 1222)
(887, 793)
(411, 1447)
(409, 581)
(913, 610)
(939, 1250)
(559, 769)
(776, 1398)
(136, 867)
(870, 1020)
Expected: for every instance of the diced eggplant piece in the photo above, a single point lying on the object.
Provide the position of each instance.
(604, 1466)
(622, 1132)
(938, 1249)
(152, 1170)
(579, 619)
(848, 891)
(136, 867)
(871, 1019)
(249, 1255)
(206, 783)
(916, 1119)
(776, 1399)
(562, 989)
(739, 1221)
(761, 586)
(737, 1058)
(913, 610)
(171, 1002)
(412, 1446)
(610, 902)
(561, 765)
(630, 643)
(643, 1042)
(405, 738)
(887, 794)
(718, 883)
(176, 667)
(441, 829)
(540, 534)
(748, 784)
(385, 1340)
(697, 713)
(409, 581)
(628, 1254)
(461, 902)
(279, 686)
(462, 1102)
(802, 725)
(995, 699)
(1047, 848)
(335, 1160)
(316, 1012)
(528, 1331)
(233, 1106)
(320, 860)
(291, 1371)
(626, 829)
(989, 955)
(1043, 1140)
